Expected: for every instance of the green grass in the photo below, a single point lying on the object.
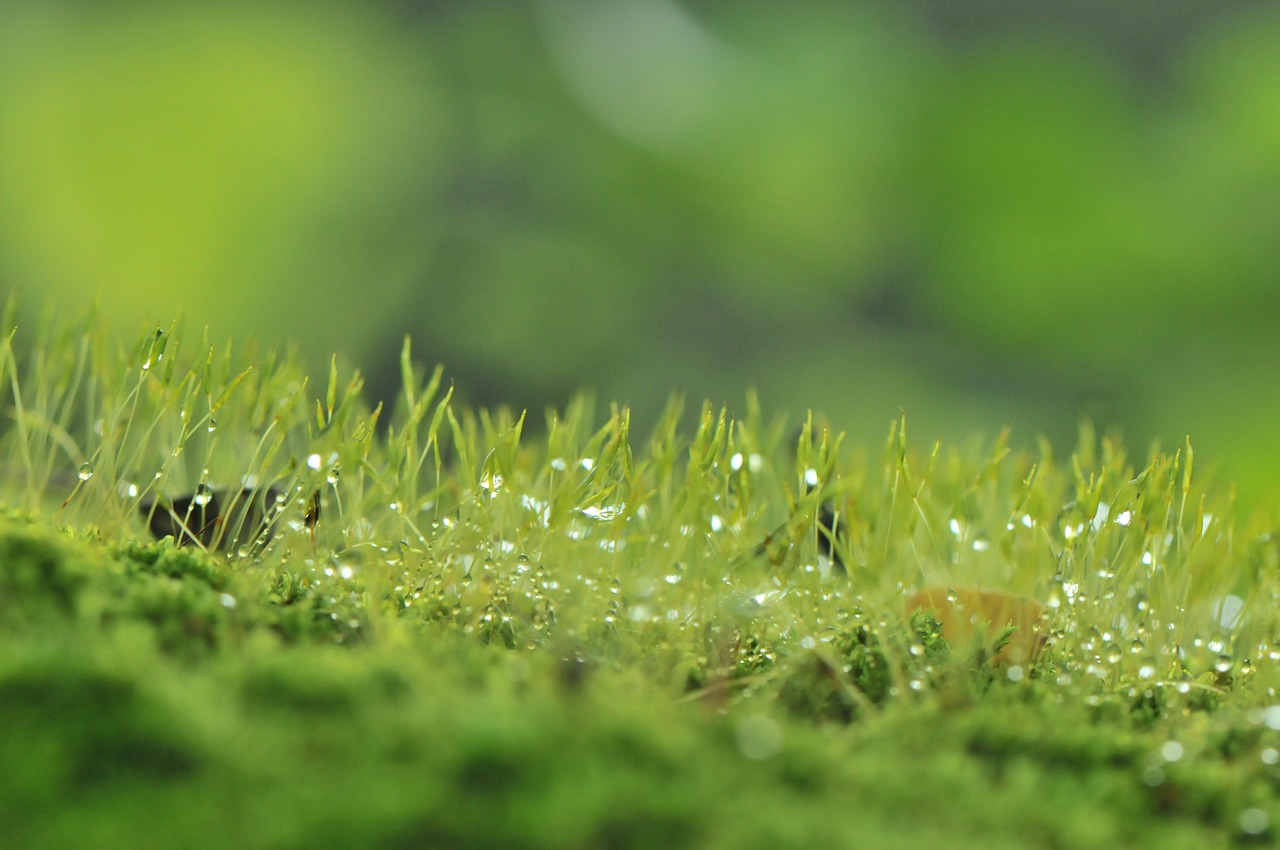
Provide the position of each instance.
(562, 633)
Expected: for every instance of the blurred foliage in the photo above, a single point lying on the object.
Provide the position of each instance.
(981, 215)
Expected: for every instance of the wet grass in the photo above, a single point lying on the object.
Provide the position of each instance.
(566, 634)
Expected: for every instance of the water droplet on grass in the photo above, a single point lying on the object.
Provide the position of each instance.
(86, 471)
(604, 513)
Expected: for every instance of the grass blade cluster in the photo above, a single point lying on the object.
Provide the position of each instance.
(483, 626)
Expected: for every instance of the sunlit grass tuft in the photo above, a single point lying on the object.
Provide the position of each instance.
(564, 559)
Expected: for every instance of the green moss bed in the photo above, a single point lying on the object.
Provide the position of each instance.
(462, 628)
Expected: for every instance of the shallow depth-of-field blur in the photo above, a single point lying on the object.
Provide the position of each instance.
(988, 215)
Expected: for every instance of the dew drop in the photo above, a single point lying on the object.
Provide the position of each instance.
(213, 425)
(86, 471)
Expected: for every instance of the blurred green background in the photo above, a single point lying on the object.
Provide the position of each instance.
(980, 213)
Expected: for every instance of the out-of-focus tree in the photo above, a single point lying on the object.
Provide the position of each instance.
(243, 163)
(977, 215)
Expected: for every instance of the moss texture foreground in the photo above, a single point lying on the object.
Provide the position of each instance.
(572, 636)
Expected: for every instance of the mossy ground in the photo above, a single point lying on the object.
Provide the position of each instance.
(574, 636)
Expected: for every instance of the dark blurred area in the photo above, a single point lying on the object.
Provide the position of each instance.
(978, 213)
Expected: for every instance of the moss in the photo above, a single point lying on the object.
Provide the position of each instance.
(70, 731)
(40, 581)
(581, 638)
